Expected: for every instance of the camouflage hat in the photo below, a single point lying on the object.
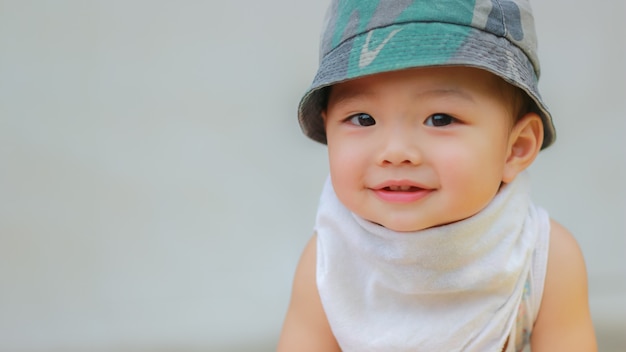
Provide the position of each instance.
(363, 37)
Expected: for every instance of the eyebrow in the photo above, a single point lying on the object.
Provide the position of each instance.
(345, 98)
(446, 92)
(351, 97)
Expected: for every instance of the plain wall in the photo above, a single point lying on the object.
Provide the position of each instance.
(156, 191)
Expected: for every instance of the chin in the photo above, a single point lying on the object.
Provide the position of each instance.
(402, 227)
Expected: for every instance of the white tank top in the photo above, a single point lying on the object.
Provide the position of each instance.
(466, 286)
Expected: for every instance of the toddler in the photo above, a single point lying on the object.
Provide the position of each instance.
(426, 238)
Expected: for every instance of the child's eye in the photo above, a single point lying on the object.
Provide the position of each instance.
(362, 119)
(438, 120)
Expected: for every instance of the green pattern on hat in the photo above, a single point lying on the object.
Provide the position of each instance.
(378, 49)
(352, 18)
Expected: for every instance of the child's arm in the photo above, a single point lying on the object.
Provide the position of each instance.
(564, 321)
(306, 327)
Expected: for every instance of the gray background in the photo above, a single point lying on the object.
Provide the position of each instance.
(156, 192)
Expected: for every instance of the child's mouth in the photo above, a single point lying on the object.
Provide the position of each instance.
(401, 192)
(405, 188)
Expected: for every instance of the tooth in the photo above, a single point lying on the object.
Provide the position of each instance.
(405, 188)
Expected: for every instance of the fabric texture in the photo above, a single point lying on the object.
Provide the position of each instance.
(456, 287)
(363, 37)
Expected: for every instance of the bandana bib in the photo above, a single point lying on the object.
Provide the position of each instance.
(455, 287)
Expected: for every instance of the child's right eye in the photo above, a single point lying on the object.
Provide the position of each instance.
(362, 119)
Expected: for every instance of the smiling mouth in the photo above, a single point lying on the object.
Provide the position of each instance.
(401, 191)
(405, 188)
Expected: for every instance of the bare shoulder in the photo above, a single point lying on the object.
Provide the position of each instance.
(564, 321)
(305, 327)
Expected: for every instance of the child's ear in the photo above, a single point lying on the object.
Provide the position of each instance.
(525, 143)
(324, 114)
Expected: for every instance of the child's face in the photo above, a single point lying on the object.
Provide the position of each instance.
(418, 148)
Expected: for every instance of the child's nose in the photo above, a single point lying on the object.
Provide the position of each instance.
(400, 148)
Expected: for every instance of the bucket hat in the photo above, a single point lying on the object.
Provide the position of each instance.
(364, 37)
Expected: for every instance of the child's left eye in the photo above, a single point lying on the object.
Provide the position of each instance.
(438, 120)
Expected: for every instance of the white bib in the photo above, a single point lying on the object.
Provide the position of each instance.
(455, 287)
